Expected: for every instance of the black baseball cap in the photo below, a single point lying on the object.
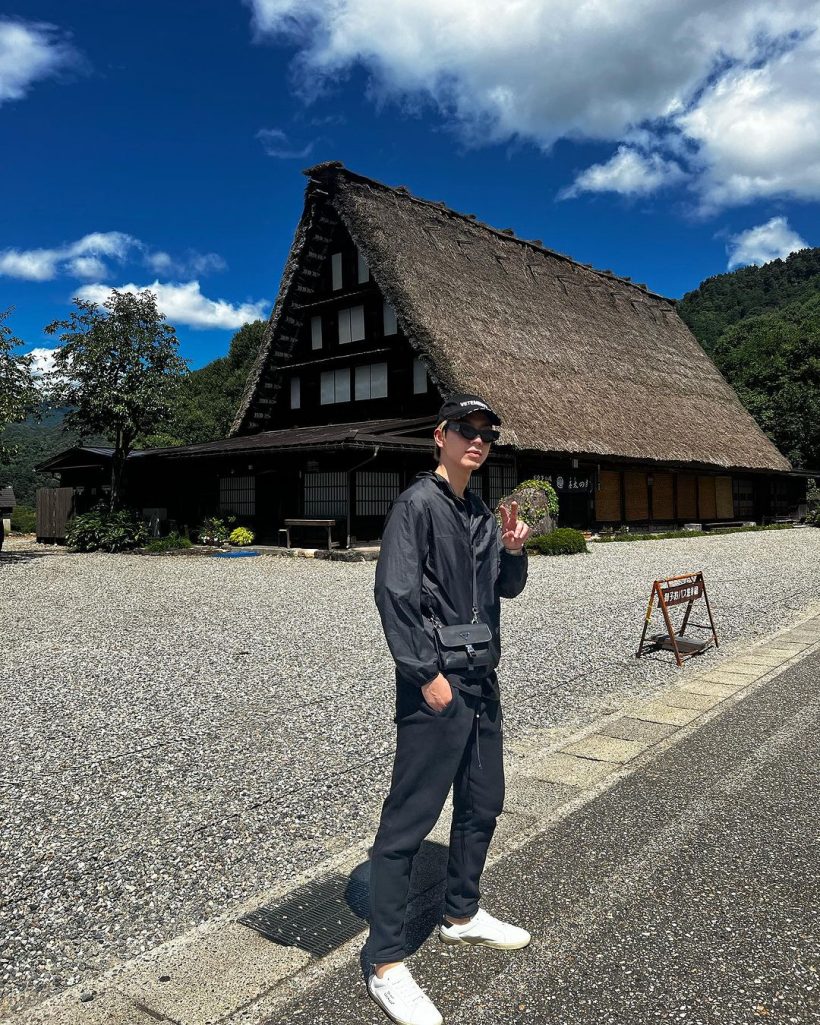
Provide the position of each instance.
(456, 407)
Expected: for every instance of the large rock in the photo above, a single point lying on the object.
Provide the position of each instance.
(533, 499)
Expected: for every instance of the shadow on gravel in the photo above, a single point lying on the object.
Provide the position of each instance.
(10, 558)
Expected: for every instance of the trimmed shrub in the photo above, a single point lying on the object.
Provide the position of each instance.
(537, 504)
(241, 536)
(167, 544)
(24, 519)
(104, 531)
(564, 541)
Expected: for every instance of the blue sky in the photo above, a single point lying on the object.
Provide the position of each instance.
(161, 144)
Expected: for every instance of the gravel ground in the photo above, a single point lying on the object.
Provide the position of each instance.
(181, 732)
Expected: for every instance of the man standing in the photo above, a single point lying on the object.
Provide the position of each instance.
(443, 562)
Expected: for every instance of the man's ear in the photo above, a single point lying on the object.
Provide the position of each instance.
(438, 436)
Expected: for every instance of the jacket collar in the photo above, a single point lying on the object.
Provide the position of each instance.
(445, 486)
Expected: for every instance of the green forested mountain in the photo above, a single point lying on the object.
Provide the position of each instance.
(761, 326)
(34, 441)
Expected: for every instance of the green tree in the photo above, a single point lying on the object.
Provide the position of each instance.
(19, 395)
(118, 370)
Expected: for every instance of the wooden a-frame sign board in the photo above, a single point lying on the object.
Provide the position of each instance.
(685, 589)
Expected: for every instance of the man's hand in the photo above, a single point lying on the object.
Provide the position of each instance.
(438, 693)
(514, 532)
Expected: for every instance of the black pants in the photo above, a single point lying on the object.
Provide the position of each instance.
(459, 746)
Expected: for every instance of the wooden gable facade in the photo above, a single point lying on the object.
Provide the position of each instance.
(338, 353)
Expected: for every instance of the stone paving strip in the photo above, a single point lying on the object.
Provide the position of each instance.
(223, 973)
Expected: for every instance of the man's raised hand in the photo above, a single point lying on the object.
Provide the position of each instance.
(514, 532)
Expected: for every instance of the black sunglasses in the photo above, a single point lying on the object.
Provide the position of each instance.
(470, 433)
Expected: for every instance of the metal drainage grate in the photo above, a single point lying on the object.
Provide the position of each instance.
(317, 917)
(686, 646)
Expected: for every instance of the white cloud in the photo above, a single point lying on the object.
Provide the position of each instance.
(43, 361)
(717, 74)
(81, 258)
(192, 262)
(87, 267)
(275, 143)
(31, 264)
(86, 257)
(770, 241)
(628, 172)
(184, 303)
(758, 130)
(30, 51)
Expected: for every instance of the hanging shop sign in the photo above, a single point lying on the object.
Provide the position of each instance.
(683, 590)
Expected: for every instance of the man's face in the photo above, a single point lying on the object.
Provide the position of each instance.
(456, 450)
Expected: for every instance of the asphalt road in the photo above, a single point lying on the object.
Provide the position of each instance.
(688, 892)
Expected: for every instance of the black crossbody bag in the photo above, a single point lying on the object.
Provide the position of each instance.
(465, 646)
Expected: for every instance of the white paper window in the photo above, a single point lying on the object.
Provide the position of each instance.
(336, 271)
(419, 377)
(316, 332)
(364, 270)
(351, 325)
(295, 393)
(335, 386)
(371, 381)
(389, 314)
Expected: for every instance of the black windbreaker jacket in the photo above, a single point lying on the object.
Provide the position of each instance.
(425, 568)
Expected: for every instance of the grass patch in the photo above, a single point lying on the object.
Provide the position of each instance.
(167, 544)
(668, 534)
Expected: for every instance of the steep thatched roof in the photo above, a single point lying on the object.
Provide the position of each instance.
(575, 360)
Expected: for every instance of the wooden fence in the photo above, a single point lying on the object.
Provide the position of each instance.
(54, 506)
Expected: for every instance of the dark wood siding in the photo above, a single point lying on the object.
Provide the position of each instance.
(663, 497)
(687, 497)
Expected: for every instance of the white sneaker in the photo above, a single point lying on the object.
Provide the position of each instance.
(398, 995)
(486, 931)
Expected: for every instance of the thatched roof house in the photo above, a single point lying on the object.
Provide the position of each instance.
(577, 361)
(389, 302)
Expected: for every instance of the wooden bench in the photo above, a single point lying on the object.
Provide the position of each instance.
(327, 524)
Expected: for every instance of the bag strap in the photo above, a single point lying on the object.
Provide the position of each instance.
(472, 552)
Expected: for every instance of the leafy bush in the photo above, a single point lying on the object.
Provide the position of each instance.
(564, 541)
(241, 536)
(167, 544)
(104, 531)
(24, 519)
(214, 531)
